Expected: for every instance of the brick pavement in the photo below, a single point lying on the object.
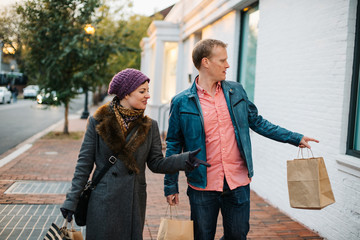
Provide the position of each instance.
(54, 160)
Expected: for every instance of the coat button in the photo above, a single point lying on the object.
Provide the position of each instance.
(114, 174)
(130, 172)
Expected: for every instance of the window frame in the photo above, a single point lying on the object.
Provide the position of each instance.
(242, 26)
(354, 91)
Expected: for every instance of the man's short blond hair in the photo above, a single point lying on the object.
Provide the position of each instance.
(203, 49)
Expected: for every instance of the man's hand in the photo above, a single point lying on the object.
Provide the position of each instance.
(173, 199)
(304, 142)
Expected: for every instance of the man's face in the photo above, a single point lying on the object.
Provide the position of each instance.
(217, 63)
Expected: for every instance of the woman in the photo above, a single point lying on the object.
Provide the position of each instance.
(117, 205)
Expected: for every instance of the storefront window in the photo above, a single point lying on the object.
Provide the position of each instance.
(169, 72)
(248, 45)
(353, 143)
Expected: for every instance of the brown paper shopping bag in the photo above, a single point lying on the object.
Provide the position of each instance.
(75, 235)
(175, 229)
(70, 233)
(308, 183)
(63, 233)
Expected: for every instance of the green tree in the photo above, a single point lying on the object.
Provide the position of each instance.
(117, 38)
(127, 29)
(62, 57)
(132, 29)
(108, 41)
(10, 34)
(56, 48)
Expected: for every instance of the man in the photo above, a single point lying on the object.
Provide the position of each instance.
(215, 115)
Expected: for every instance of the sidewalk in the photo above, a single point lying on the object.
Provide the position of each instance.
(33, 185)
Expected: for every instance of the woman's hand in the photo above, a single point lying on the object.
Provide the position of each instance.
(193, 162)
(67, 214)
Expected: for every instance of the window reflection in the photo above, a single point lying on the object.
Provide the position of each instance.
(248, 45)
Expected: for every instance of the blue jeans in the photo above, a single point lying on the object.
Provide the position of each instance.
(235, 210)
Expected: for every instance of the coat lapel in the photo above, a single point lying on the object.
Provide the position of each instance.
(109, 130)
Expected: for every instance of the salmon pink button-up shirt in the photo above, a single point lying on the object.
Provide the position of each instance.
(222, 151)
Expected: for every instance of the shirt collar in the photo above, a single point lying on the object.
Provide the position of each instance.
(200, 89)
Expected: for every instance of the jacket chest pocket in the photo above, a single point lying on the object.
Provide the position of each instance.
(241, 113)
(191, 125)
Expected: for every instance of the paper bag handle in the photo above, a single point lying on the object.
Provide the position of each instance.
(302, 155)
(66, 224)
(171, 215)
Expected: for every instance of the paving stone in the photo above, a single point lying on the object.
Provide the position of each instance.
(25, 233)
(29, 226)
(5, 233)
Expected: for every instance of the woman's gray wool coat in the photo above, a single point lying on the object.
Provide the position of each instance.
(117, 205)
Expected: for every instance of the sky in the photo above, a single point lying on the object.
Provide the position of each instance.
(149, 7)
(145, 7)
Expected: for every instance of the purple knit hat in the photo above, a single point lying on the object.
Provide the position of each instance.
(126, 81)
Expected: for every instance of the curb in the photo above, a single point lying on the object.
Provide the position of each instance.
(27, 144)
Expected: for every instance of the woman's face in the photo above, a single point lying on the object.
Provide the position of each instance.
(138, 98)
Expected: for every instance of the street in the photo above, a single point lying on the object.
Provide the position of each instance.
(23, 119)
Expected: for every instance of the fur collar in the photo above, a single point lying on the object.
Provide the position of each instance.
(109, 130)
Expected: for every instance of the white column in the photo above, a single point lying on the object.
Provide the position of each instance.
(156, 79)
(145, 56)
(159, 33)
(180, 74)
(158, 71)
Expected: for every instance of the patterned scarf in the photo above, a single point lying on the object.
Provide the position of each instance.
(125, 116)
(129, 119)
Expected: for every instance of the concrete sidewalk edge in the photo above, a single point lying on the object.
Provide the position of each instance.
(22, 147)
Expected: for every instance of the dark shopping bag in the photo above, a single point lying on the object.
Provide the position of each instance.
(308, 183)
(53, 233)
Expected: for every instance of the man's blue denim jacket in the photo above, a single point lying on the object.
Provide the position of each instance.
(186, 130)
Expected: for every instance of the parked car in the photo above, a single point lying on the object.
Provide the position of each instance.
(47, 98)
(31, 91)
(5, 95)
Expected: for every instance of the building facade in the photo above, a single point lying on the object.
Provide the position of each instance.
(299, 63)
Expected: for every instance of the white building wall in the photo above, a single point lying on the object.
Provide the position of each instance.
(159, 33)
(226, 29)
(222, 29)
(303, 75)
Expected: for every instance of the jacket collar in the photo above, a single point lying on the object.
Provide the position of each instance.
(193, 90)
(226, 87)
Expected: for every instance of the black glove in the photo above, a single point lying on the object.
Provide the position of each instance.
(193, 162)
(67, 214)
